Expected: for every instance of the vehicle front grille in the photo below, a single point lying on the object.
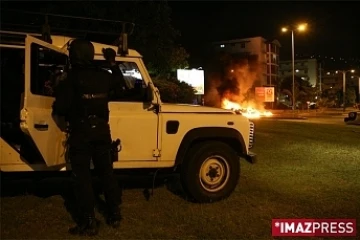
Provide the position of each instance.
(251, 135)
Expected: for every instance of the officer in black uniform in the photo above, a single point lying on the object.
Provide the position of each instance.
(109, 55)
(82, 98)
(134, 93)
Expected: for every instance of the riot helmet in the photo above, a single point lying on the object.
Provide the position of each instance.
(81, 52)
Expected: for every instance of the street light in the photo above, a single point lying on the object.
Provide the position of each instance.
(344, 84)
(301, 28)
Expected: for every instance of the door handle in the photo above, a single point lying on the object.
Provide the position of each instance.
(41, 126)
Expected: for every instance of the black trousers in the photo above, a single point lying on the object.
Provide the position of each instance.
(86, 143)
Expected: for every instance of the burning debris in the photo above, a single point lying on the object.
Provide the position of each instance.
(248, 111)
(234, 89)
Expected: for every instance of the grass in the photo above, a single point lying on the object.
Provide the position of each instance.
(304, 170)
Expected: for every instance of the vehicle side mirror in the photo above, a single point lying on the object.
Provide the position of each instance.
(149, 95)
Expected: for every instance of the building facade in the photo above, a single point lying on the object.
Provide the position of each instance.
(266, 52)
(331, 80)
(334, 81)
(306, 69)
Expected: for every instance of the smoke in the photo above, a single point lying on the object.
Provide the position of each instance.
(234, 79)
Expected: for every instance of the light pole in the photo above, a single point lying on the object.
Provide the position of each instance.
(344, 85)
(320, 76)
(358, 76)
(301, 27)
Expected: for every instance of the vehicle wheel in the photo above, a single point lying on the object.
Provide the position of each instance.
(210, 171)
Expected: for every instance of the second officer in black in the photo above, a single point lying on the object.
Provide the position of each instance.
(82, 98)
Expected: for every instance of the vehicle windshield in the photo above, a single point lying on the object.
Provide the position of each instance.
(129, 70)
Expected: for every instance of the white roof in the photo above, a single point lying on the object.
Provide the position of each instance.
(61, 41)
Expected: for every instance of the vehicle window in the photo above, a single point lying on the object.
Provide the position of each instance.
(133, 80)
(47, 69)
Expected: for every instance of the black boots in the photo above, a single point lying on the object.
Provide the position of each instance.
(88, 226)
(113, 218)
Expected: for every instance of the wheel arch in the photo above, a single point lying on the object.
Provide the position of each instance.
(230, 136)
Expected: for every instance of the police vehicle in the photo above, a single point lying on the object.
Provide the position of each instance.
(202, 144)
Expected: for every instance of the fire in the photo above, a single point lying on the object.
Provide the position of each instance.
(230, 105)
(248, 112)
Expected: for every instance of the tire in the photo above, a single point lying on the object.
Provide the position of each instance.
(200, 161)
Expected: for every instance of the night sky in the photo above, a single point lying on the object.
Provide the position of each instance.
(334, 27)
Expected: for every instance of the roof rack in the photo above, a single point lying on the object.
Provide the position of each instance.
(121, 41)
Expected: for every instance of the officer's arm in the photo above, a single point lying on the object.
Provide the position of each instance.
(119, 77)
(63, 98)
(117, 85)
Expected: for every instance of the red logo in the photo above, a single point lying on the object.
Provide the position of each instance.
(314, 227)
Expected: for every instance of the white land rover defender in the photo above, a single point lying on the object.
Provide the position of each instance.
(203, 144)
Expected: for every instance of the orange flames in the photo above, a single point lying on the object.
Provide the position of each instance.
(249, 111)
(231, 88)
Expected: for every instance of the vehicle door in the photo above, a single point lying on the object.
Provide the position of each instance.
(132, 120)
(44, 64)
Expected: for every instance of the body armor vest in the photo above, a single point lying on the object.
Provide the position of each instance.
(90, 103)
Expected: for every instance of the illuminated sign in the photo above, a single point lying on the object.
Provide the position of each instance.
(265, 94)
(193, 77)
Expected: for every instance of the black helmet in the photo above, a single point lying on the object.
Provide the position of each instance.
(81, 52)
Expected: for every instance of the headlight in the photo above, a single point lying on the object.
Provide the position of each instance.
(352, 115)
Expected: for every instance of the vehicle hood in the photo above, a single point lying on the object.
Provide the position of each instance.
(186, 108)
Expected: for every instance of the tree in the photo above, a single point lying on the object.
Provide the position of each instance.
(174, 91)
(350, 96)
(304, 91)
(155, 37)
(178, 58)
(330, 97)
